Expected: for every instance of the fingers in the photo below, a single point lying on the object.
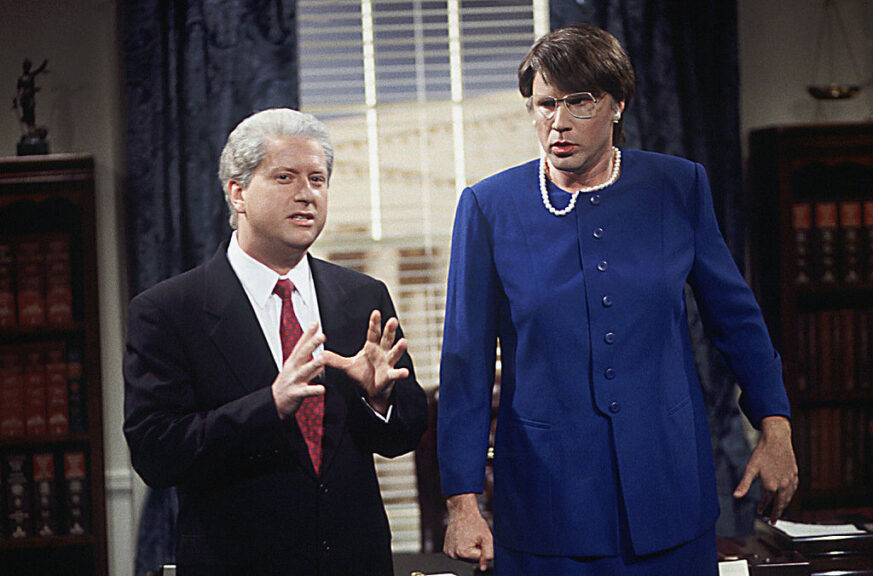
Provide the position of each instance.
(383, 337)
(389, 333)
(374, 331)
(487, 554)
(746, 482)
(309, 341)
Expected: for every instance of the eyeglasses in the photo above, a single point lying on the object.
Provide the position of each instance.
(579, 104)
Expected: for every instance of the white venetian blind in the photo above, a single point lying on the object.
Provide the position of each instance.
(421, 99)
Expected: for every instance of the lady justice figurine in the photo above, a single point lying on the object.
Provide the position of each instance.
(33, 140)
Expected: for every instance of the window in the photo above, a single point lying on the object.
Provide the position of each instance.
(421, 99)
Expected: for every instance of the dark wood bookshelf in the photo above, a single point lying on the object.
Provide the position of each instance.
(45, 195)
(810, 202)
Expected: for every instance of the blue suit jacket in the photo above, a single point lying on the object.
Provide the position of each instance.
(599, 394)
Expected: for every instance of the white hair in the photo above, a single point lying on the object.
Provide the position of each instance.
(246, 145)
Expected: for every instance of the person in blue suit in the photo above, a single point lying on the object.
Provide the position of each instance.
(576, 265)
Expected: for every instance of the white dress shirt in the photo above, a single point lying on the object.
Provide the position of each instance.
(259, 280)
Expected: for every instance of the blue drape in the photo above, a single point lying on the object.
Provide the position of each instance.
(686, 60)
(193, 70)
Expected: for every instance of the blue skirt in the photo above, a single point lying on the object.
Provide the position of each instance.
(698, 557)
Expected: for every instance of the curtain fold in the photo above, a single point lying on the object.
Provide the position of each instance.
(685, 56)
(193, 70)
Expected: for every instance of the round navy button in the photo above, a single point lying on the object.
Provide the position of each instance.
(594, 199)
(609, 337)
(614, 407)
(607, 301)
(602, 266)
(609, 373)
(598, 233)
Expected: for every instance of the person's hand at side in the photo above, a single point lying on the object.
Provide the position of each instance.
(773, 461)
(468, 536)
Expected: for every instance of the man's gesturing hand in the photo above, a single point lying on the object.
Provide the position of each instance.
(292, 384)
(373, 366)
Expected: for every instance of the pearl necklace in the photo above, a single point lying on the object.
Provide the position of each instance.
(544, 191)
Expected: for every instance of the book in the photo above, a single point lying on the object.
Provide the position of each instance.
(813, 362)
(58, 279)
(801, 221)
(76, 493)
(802, 368)
(57, 409)
(30, 281)
(825, 333)
(826, 223)
(850, 242)
(19, 522)
(867, 235)
(33, 374)
(76, 401)
(864, 349)
(45, 502)
(848, 364)
(11, 392)
(7, 286)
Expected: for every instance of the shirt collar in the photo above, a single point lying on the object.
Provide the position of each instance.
(259, 280)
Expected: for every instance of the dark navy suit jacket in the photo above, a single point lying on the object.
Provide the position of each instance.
(199, 415)
(599, 401)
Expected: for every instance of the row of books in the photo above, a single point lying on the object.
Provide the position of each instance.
(45, 493)
(833, 243)
(35, 281)
(834, 350)
(41, 390)
(840, 446)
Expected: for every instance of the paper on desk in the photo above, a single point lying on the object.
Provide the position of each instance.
(801, 530)
(733, 568)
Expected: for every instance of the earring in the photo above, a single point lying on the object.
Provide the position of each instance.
(616, 117)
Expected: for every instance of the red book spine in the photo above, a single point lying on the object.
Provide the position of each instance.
(850, 240)
(7, 286)
(76, 497)
(826, 226)
(847, 348)
(11, 392)
(867, 248)
(45, 504)
(19, 523)
(864, 349)
(56, 388)
(34, 391)
(30, 274)
(58, 281)
(825, 345)
(801, 220)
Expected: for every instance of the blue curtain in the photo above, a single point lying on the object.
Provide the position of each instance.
(193, 70)
(687, 103)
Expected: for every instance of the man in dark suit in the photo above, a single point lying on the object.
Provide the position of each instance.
(261, 383)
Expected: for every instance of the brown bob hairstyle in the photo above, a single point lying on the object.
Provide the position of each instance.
(581, 58)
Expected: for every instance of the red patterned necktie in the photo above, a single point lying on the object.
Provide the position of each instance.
(310, 415)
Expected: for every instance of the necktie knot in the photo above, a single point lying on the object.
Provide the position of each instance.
(284, 288)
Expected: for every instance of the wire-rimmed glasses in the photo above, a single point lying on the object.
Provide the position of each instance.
(579, 104)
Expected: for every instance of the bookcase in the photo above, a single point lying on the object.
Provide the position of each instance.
(810, 203)
(51, 434)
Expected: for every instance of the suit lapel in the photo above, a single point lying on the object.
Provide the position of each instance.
(235, 330)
